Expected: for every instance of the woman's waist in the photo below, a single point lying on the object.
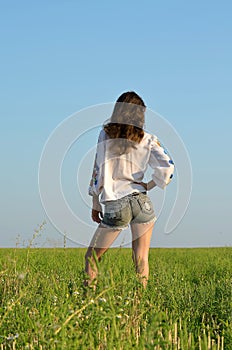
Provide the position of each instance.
(110, 194)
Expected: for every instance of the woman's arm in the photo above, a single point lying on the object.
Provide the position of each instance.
(147, 185)
(96, 183)
(95, 186)
(97, 214)
(162, 164)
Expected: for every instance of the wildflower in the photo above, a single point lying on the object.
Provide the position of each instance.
(12, 337)
(103, 300)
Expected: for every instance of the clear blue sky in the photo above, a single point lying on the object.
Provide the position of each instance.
(60, 56)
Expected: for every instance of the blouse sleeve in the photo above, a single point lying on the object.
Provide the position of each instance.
(162, 164)
(96, 182)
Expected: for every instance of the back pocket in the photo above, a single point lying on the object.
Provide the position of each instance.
(145, 204)
(112, 212)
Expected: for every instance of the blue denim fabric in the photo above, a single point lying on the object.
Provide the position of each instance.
(134, 208)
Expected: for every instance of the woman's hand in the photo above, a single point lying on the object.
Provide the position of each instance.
(97, 216)
(147, 185)
(144, 184)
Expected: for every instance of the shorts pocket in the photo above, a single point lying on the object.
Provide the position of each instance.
(145, 204)
(112, 212)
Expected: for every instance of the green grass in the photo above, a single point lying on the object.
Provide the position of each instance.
(187, 304)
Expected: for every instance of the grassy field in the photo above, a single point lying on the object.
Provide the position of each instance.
(187, 305)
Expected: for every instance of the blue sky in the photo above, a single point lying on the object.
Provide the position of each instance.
(58, 57)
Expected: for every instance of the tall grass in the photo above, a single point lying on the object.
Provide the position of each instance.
(187, 304)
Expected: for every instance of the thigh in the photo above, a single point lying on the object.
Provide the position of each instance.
(103, 237)
(141, 237)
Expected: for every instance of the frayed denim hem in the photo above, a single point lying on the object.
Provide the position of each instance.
(144, 223)
(115, 228)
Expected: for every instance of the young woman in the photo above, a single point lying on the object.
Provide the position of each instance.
(124, 152)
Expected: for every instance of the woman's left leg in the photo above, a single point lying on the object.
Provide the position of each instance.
(141, 238)
(101, 241)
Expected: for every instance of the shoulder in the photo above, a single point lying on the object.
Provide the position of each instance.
(150, 139)
(102, 136)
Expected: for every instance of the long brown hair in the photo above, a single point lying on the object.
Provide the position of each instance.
(127, 121)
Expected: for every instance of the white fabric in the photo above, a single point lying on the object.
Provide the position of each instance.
(114, 176)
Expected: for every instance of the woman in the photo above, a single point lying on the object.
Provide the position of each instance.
(124, 152)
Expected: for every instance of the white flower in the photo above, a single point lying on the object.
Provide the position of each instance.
(102, 300)
(12, 337)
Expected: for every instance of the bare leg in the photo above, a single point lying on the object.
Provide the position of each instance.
(141, 237)
(101, 241)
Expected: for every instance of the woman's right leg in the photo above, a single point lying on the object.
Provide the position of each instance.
(101, 241)
(141, 237)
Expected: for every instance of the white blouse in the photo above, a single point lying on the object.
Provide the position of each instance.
(116, 176)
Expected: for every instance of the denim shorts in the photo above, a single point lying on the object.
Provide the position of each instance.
(135, 208)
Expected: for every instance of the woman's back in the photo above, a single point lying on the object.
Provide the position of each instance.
(117, 175)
